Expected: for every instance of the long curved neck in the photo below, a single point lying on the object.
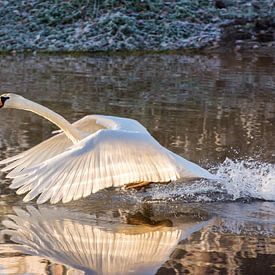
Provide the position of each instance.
(71, 132)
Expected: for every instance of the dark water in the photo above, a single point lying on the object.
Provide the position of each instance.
(215, 110)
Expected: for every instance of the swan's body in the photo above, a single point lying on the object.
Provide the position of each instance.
(93, 153)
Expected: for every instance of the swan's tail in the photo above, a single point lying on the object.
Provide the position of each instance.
(188, 169)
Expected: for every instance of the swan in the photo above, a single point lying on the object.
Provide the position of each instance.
(94, 153)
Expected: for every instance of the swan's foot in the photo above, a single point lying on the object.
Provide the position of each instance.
(136, 185)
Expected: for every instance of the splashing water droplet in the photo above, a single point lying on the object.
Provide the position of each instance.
(248, 179)
(238, 180)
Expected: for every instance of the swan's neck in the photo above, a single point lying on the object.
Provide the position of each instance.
(71, 132)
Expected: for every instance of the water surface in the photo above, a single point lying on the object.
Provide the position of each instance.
(215, 110)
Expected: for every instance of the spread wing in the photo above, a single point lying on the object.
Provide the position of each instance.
(104, 159)
(48, 148)
(45, 150)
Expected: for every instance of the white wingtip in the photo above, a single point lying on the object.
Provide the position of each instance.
(10, 159)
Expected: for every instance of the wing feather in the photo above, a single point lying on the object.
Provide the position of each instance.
(54, 186)
(78, 188)
(45, 150)
(104, 159)
(48, 148)
(73, 182)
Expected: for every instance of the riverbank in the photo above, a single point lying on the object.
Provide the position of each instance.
(69, 26)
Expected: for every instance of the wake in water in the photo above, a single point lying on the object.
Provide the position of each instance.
(245, 179)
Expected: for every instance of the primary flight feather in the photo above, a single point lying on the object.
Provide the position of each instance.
(93, 153)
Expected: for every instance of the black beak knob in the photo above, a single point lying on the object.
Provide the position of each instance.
(3, 100)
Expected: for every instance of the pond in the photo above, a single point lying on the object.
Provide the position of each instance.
(217, 110)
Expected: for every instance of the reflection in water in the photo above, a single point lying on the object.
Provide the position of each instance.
(240, 241)
(95, 246)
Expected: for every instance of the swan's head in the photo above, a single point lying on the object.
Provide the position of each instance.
(10, 100)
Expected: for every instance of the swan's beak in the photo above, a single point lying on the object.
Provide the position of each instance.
(2, 100)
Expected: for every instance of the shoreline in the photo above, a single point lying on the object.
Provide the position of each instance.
(246, 49)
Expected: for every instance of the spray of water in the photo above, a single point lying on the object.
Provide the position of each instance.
(248, 179)
(238, 179)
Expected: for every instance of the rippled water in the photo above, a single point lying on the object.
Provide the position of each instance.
(215, 110)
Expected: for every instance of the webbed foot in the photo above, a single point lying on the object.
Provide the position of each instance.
(136, 185)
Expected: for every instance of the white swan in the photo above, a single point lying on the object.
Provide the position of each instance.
(93, 153)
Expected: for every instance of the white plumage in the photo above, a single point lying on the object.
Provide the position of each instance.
(95, 152)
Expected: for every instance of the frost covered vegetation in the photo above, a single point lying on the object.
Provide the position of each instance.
(94, 25)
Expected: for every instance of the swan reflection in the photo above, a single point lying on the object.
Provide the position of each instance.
(92, 246)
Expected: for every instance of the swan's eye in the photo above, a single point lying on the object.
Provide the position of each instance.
(2, 100)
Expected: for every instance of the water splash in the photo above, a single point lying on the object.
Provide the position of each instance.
(239, 180)
(248, 179)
